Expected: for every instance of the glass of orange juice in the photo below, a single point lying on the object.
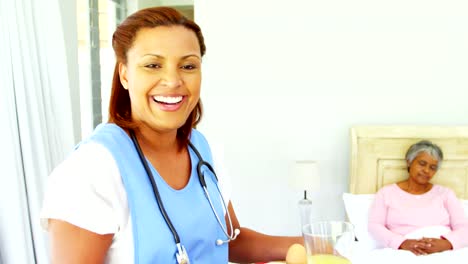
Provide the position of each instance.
(328, 242)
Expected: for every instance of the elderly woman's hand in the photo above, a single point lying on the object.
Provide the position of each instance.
(437, 245)
(418, 247)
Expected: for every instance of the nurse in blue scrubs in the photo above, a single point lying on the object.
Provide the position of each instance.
(143, 188)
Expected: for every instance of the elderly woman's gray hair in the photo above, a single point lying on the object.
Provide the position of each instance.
(424, 146)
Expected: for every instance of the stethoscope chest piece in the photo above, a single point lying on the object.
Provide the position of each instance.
(181, 255)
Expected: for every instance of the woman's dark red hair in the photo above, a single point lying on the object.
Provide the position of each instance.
(119, 106)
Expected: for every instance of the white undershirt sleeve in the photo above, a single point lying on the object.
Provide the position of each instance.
(84, 191)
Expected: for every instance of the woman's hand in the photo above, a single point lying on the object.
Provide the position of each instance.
(437, 245)
(426, 246)
(418, 247)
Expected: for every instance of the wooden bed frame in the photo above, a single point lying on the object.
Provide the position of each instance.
(378, 156)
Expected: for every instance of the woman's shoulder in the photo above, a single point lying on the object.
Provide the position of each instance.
(84, 163)
(387, 191)
(441, 187)
(88, 152)
(195, 134)
(389, 188)
(213, 141)
(443, 190)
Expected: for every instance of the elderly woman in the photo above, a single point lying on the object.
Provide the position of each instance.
(402, 208)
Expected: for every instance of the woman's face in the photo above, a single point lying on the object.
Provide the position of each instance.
(163, 76)
(423, 168)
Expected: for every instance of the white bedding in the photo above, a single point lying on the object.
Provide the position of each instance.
(360, 255)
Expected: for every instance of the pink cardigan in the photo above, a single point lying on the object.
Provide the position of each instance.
(395, 213)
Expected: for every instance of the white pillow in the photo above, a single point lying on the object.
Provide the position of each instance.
(357, 209)
(428, 231)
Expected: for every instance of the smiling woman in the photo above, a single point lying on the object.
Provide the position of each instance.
(96, 20)
(163, 76)
(123, 195)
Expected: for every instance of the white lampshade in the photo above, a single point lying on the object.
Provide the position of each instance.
(304, 175)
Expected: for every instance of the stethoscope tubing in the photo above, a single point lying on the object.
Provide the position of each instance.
(202, 181)
(201, 178)
(155, 188)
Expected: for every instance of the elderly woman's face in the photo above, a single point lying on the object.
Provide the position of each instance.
(423, 168)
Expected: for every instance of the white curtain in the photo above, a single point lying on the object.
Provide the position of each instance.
(36, 114)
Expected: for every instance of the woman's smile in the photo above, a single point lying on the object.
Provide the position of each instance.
(169, 103)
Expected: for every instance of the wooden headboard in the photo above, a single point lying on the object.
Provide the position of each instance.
(378, 156)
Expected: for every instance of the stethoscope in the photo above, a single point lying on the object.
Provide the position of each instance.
(181, 254)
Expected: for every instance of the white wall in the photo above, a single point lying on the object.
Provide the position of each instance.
(285, 80)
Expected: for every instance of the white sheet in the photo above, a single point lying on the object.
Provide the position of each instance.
(360, 255)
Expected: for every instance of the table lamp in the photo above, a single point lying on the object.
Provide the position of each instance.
(304, 176)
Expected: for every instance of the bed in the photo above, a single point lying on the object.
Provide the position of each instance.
(377, 159)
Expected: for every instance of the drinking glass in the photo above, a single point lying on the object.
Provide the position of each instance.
(328, 242)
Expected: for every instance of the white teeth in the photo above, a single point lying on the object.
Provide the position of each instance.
(168, 99)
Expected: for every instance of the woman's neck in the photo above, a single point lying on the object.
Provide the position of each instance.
(155, 141)
(414, 188)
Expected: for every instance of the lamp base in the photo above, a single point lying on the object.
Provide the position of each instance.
(305, 210)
